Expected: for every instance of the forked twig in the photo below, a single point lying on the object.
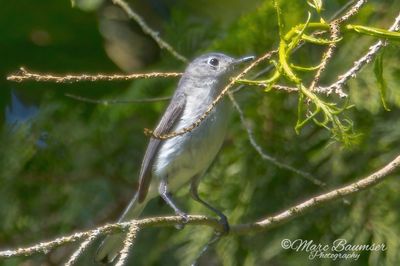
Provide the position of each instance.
(82, 247)
(128, 243)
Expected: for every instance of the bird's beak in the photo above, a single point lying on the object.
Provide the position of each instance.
(244, 60)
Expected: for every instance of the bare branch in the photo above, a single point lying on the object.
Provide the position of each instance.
(146, 29)
(327, 56)
(359, 64)
(83, 246)
(352, 11)
(285, 88)
(128, 242)
(262, 225)
(115, 101)
(46, 247)
(290, 213)
(27, 75)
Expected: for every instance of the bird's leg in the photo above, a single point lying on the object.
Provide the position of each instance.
(195, 195)
(163, 190)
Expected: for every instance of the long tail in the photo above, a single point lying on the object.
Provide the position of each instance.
(113, 244)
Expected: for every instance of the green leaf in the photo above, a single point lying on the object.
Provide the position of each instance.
(316, 4)
(302, 68)
(279, 17)
(341, 130)
(87, 5)
(297, 38)
(284, 63)
(376, 32)
(378, 70)
(319, 41)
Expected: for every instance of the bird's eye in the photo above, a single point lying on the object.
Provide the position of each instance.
(213, 62)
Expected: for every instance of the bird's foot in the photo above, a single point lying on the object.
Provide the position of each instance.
(184, 219)
(223, 221)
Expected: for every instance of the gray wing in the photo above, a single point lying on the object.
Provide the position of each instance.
(167, 122)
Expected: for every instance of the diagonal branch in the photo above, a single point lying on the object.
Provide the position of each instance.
(128, 242)
(263, 154)
(83, 246)
(262, 225)
(359, 64)
(146, 29)
(299, 209)
(352, 11)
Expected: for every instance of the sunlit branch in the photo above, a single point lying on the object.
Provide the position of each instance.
(25, 75)
(82, 247)
(259, 226)
(128, 243)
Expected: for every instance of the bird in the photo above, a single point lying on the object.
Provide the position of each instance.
(172, 163)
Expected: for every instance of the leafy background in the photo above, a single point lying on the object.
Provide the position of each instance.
(67, 165)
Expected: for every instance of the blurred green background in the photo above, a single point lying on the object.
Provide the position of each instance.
(68, 165)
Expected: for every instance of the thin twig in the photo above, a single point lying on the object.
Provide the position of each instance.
(82, 247)
(351, 12)
(263, 154)
(146, 29)
(266, 85)
(341, 10)
(115, 101)
(334, 37)
(213, 240)
(262, 225)
(284, 88)
(290, 213)
(24, 75)
(359, 64)
(128, 242)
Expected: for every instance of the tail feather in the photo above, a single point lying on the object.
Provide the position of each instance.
(112, 244)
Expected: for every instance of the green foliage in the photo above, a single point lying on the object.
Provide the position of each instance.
(341, 128)
(376, 32)
(378, 70)
(88, 172)
(316, 4)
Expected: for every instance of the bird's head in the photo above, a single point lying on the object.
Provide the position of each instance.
(215, 65)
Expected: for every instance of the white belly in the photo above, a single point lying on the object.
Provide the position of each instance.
(181, 158)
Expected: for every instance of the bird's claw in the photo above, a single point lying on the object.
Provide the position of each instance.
(184, 220)
(223, 221)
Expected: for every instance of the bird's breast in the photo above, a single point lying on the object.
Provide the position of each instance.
(182, 157)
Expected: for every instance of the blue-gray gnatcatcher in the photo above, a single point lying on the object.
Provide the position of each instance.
(174, 162)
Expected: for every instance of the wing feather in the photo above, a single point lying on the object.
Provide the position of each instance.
(167, 122)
